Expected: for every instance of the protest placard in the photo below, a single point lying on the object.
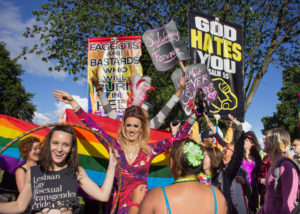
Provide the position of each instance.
(196, 76)
(165, 46)
(115, 59)
(219, 45)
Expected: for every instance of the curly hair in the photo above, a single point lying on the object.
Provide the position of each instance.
(181, 166)
(137, 112)
(25, 146)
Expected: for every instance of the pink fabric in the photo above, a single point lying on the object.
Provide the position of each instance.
(248, 166)
(287, 189)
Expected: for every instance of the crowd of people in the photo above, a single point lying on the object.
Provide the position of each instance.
(212, 173)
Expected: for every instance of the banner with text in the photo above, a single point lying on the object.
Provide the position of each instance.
(115, 59)
(218, 44)
(165, 46)
(196, 76)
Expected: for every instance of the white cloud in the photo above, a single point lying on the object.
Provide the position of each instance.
(52, 117)
(41, 119)
(12, 28)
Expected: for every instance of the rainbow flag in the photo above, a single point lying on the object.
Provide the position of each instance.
(11, 128)
(93, 156)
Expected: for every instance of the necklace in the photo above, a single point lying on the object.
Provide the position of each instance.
(131, 151)
(182, 180)
(204, 179)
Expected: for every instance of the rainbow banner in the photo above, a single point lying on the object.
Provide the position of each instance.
(11, 128)
(93, 156)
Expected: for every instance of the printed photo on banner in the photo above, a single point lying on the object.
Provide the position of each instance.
(115, 59)
(196, 76)
(165, 46)
(218, 45)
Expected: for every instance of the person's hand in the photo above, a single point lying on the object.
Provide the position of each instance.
(138, 194)
(95, 79)
(182, 83)
(209, 124)
(240, 179)
(263, 181)
(234, 120)
(65, 97)
(175, 128)
(181, 86)
(113, 155)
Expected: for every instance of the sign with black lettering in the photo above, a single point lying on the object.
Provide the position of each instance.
(196, 76)
(218, 44)
(165, 46)
(115, 59)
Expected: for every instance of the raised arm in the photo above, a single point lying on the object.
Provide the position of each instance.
(20, 205)
(214, 130)
(91, 188)
(237, 157)
(111, 113)
(159, 119)
(167, 143)
(83, 116)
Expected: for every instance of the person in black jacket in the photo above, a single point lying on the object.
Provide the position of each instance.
(220, 175)
(251, 163)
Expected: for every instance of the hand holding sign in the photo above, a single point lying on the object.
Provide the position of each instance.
(165, 46)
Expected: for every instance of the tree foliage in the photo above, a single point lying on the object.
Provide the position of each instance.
(287, 113)
(14, 100)
(269, 29)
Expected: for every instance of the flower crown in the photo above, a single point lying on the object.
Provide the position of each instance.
(193, 153)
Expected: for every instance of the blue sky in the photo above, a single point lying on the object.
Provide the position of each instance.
(15, 15)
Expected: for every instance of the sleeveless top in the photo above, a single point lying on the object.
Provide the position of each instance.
(168, 205)
(53, 190)
(28, 209)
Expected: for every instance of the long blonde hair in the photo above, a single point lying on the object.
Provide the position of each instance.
(137, 112)
(280, 140)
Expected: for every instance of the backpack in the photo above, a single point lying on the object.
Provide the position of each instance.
(276, 174)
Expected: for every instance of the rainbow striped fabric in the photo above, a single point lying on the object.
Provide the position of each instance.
(11, 128)
(92, 154)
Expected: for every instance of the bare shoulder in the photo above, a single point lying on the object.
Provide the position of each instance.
(150, 202)
(154, 193)
(20, 171)
(222, 205)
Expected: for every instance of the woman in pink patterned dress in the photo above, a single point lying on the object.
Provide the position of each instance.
(132, 144)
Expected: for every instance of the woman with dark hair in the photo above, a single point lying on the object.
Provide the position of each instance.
(186, 194)
(29, 149)
(132, 144)
(251, 164)
(52, 185)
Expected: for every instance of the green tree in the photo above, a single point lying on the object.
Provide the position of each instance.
(269, 29)
(287, 113)
(15, 102)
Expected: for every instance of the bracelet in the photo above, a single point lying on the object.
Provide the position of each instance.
(76, 108)
(134, 204)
